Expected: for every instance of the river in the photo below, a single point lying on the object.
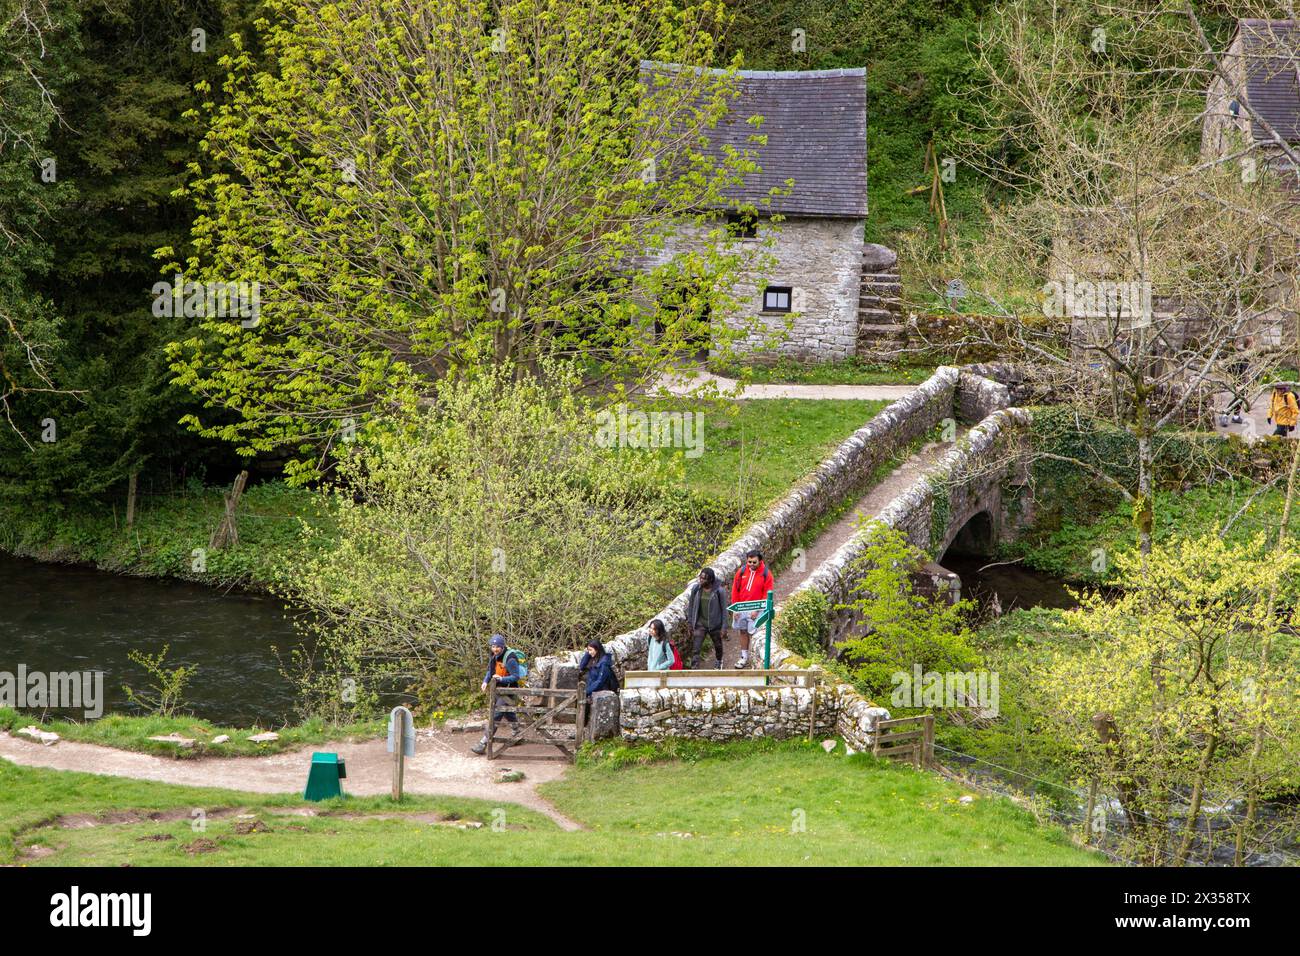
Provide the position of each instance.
(1014, 586)
(61, 618)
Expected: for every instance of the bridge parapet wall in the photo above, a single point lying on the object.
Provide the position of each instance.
(967, 480)
(850, 467)
(724, 714)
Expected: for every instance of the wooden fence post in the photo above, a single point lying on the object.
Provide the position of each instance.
(490, 728)
(1087, 816)
(812, 708)
(227, 533)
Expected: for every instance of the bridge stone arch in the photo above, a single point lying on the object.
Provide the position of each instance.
(977, 536)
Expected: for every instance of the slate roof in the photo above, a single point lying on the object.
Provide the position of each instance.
(1272, 85)
(816, 127)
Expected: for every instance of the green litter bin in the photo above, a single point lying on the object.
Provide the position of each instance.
(323, 780)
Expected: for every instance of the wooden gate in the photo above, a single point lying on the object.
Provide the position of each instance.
(546, 715)
(907, 738)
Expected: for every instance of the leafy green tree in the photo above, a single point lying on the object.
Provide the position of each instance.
(496, 510)
(1167, 681)
(895, 627)
(421, 186)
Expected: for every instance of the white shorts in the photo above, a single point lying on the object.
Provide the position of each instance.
(744, 621)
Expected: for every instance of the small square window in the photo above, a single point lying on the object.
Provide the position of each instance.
(776, 298)
(742, 225)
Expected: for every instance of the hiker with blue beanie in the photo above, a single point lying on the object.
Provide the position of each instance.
(503, 664)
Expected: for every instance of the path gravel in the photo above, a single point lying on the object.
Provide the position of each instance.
(682, 382)
(442, 766)
(870, 504)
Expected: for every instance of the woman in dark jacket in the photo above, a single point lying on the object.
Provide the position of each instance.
(599, 668)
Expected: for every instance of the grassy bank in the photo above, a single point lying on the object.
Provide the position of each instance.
(167, 531)
(752, 454)
(755, 804)
(752, 457)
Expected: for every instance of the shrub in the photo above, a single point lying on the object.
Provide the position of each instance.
(494, 511)
(805, 623)
(897, 628)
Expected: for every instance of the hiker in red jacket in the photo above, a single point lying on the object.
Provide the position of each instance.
(752, 582)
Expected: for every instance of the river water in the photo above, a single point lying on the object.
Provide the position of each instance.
(1015, 587)
(60, 618)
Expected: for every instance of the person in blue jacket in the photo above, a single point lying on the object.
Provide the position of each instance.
(598, 667)
(504, 666)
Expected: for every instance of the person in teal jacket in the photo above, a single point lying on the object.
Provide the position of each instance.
(659, 651)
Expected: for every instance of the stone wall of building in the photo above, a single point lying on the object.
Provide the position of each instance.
(819, 259)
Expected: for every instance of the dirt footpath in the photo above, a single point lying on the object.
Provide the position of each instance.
(681, 381)
(442, 766)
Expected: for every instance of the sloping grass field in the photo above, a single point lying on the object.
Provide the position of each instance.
(754, 804)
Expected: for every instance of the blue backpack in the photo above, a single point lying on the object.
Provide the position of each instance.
(519, 661)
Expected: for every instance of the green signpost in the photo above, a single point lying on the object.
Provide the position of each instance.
(768, 607)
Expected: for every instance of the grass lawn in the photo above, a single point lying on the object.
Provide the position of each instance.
(848, 372)
(755, 451)
(738, 805)
(129, 732)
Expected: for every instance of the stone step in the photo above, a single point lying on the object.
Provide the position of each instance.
(896, 337)
(872, 301)
(878, 316)
(880, 276)
(895, 287)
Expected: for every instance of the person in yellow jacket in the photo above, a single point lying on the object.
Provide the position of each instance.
(1283, 410)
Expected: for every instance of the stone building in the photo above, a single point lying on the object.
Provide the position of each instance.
(809, 271)
(1263, 67)
(1261, 61)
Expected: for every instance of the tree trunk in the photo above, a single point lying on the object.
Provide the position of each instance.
(130, 498)
(1194, 808)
